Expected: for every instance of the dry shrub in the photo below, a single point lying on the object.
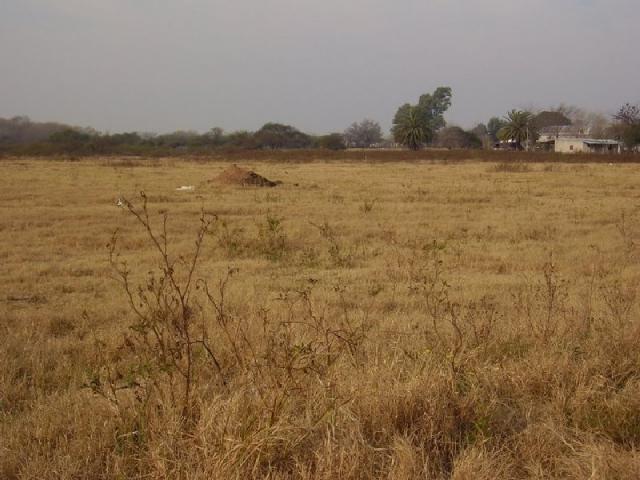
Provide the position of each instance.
(510, 167)
(187, 346)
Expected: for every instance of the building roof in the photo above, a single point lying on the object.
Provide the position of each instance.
(564, 131)
(590, 141)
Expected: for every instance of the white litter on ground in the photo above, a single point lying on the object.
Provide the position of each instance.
(185, 188)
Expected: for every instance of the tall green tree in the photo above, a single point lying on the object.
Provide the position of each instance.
(518, 128)
(631, 137)
(628, 127)
(410, 128)
(433, 106)
(415, 125)
(494, 125)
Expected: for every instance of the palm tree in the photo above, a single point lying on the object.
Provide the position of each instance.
(409, 128)
(518, 128)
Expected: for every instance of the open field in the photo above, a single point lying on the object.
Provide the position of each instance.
(469, 320)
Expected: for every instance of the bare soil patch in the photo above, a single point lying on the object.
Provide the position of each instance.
(235, 175)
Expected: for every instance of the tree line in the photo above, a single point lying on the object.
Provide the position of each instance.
(414, 126)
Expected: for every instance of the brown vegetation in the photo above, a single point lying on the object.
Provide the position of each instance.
(353, 155)
(414, 320)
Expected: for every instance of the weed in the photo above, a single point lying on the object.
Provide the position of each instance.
(510, 167)
(272, 240)
(231, 239)
(367, 205)
(169, 330)
(543, 304)
(341, 256)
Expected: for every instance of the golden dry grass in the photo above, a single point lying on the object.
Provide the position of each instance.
(392, 320)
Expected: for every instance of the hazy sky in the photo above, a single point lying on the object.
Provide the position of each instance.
(161, 65)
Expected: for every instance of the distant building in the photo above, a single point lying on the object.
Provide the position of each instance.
(571, 139)
(562, 131)
(586, 145)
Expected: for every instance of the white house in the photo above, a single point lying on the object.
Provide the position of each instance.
(586, 145)
(572, 139)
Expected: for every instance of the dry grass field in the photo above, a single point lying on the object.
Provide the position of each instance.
(398, 320)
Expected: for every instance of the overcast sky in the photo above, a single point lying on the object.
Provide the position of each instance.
(162, 65)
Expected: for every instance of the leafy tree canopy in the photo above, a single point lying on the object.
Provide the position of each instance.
(518, 128)
(550, 119)
(415, 125)
(363, 134)
(494, 125)
(277, 135)
(332, 141)
(456, 137)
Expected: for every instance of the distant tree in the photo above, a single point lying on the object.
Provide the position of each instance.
(594, 124)
(130, 138)
(148, 136)
(433, 106)
(518, 128)
(69, 136)
(415, 125)
(628, 127)
(277, 135)
(456, 137)
(74, 141)
(494, 126)
(552, 121)
(631, 136)
(21, 120)
(178, 139)
(215, 137)
(241, 139)
(410, 127)
(363, 134)
(480, 130)
(550, 118)
(482, 133)
(333, 141)
(216, 132)
(21, 130)
(628, 114)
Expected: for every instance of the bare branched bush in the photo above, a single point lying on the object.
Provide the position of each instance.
(543, 304)
(456, 327)
(189, 343)
(169, 336)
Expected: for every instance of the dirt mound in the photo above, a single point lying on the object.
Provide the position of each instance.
(235, 175)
